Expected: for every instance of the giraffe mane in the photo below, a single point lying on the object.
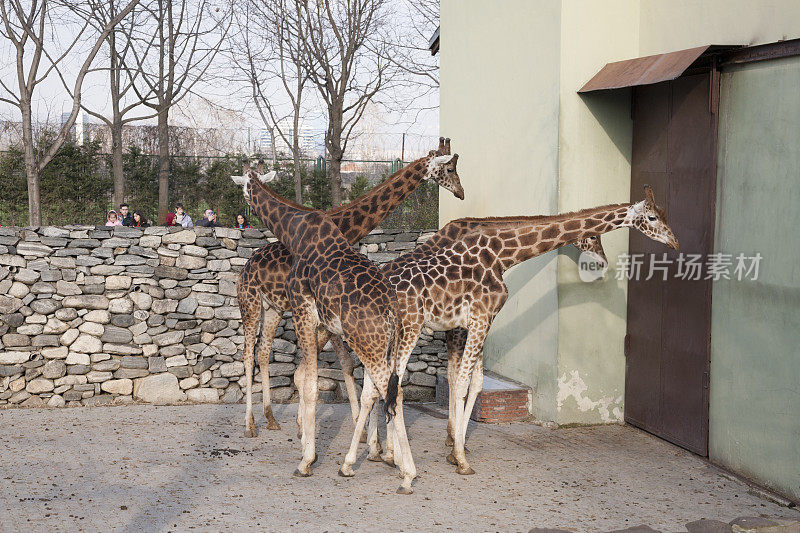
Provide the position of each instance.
(560, 217)
(367, 198)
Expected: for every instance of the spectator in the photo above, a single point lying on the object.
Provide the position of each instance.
(112, 219)
(209, 220)
(241, 222)
(181, 218)
(124, 215)
(139, 220)
(171, 218)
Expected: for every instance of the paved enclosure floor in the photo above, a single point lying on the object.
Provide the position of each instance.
(145, 468)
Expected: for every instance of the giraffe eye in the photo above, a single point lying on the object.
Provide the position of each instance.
(651, 218)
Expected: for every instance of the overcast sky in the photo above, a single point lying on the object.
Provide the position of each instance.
(383, 128)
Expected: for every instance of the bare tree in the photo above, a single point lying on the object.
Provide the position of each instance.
(345, 52)
(409, 43)
(31, 30)
(125, 106)
(186, 36)
(268, 49)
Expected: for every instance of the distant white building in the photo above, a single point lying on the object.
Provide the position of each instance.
(79, 129)
(307, 137)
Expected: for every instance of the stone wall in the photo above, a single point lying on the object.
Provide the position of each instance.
(95, 315)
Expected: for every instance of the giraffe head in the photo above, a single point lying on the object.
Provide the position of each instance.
(594, 247)
(442, 170)
(651, 220)
(248, 174)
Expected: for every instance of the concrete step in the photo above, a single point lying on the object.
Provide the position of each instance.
(501, 400)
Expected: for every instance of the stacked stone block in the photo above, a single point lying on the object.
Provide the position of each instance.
(96, 315)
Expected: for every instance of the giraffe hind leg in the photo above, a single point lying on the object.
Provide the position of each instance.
(251, 316)
(269, 324)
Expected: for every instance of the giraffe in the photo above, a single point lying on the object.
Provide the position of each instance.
(455, 280)
(331, 285)
(456, 339)
(261, 284)
(412, 293)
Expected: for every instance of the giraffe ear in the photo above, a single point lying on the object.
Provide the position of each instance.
(649, 197)
(242, 181)
(245, 167)
(269, 176)
(442, 159)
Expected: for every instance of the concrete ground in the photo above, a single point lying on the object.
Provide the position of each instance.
(146, 468)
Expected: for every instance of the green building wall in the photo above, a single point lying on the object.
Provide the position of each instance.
(754, 411)
(499, 104)
(529, 143)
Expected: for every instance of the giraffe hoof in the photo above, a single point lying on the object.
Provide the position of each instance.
(343, 473)
(251, 432)
(388, 459)
(405, 490)
(449, 441)
(451, 459)
(376, 458)
(273, 425)
(300, 473)
(468, 471)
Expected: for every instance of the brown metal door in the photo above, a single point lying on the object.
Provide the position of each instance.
(669, 322)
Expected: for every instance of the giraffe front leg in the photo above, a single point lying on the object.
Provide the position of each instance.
(299, 383)
(457, 456)
(388, 454)
(475, 388)
(410, 335)
(372, 433)
(346, 362)
(472, 351)
(269, 325)
(368, 396)
(408, 471)
(455, 339)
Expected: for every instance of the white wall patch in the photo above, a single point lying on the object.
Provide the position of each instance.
(609, 408)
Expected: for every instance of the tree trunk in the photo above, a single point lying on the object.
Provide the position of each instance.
(31, 167)
(335, 179)
(298, 185)
(116, 162)
(34, 201)
(163, 164)
(336, 153)
(274, 148)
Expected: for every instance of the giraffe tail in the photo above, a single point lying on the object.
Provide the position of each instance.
(390, 402)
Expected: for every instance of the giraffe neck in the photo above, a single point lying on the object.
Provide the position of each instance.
(362, 215)
(521, 238)
(279, 214)
(356, 219)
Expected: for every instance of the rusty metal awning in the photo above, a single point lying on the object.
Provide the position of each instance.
(650, 69)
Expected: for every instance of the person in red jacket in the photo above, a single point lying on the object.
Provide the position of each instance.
(241, 222)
